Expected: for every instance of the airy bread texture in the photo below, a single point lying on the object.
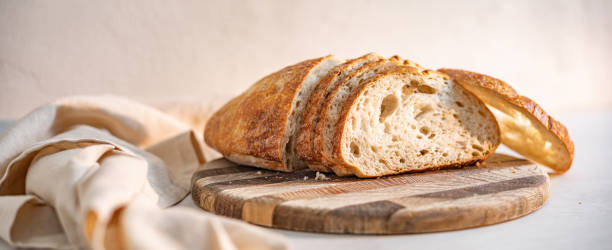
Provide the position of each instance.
(257, 127)
(337, 98)
(404, 119)
(525, 126)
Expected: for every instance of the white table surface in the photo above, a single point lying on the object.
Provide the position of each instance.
(577, 215)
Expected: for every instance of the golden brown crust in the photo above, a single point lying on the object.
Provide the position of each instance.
(528, 106)
(406, 62)
(254, 123)
(468, 162)
(304, 143)
(319, 167)
(485, 81)
(254, 161)
(304, 136)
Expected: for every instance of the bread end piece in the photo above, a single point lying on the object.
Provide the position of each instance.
(525, 127)
(254, 127)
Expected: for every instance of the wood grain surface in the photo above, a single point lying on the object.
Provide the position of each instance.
(502, 189)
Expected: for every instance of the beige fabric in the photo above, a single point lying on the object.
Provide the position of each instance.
(102, 172)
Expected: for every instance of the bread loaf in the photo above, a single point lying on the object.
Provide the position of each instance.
(368, 116)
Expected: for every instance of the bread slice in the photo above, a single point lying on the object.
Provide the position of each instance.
(305, 139)
(405, 119)
(337, 97)
(525, 126)
(258, 127)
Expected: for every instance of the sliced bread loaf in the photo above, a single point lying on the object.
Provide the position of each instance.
(258, 127)
(403, 119)
(368, 117)
(525, 126)
(307, 146)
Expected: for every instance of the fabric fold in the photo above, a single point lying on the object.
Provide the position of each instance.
(103, 172)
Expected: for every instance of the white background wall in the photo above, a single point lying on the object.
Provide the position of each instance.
(557, 52)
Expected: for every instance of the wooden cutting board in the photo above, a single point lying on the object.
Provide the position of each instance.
(502, 189)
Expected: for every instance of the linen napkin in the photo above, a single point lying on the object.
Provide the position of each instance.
(104, 172)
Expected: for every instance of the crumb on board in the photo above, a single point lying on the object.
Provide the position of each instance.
(321, 177)
(305, 177)
(258, 172)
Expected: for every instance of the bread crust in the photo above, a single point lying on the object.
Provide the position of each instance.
(328, 159)
(526, 105)
(305, 142)
(347, 171)
(249, 160)
(342, 167)
(254, 123)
